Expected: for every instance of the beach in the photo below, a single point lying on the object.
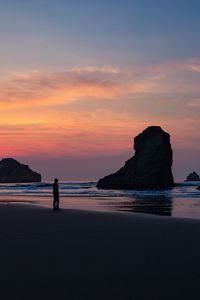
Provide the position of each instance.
(76, 254)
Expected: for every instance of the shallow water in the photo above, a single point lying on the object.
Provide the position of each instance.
(181, 201)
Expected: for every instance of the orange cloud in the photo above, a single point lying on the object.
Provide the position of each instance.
(92, 111)
(40, 88)
(37, 88)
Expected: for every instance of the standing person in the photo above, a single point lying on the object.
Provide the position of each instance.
(55, 195)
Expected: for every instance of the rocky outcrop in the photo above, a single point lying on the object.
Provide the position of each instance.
(193, 177)
(150, 167)
(11, 171)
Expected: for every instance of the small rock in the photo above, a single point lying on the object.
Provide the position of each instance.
(11, 171)
(193, 177)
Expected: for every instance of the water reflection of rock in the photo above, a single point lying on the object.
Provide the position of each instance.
(152, 205)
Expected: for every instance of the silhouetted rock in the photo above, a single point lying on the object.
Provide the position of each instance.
(193, 177)
(150, 167)
(12, 171)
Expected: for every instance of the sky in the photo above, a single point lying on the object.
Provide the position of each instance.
(79, 79)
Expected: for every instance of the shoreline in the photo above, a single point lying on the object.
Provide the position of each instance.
(181, 202)
(40, 203)
(78, 254)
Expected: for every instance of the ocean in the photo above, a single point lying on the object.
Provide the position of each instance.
(180, 201)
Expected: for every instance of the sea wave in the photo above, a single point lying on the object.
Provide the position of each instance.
(88, 189)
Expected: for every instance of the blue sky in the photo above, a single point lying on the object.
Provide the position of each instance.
(49, 34)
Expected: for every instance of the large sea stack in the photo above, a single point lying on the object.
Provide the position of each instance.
(149, 168)
(11, 171)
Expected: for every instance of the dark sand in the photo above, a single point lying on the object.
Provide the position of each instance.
(73, 254)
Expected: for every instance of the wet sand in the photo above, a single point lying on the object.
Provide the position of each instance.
(74, 254)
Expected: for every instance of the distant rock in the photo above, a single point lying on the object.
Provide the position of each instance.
(150, 167)
(11, 171)
(193, 177)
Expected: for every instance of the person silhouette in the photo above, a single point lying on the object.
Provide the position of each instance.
(55, 195)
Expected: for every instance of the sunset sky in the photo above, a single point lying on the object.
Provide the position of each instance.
(79, 79)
